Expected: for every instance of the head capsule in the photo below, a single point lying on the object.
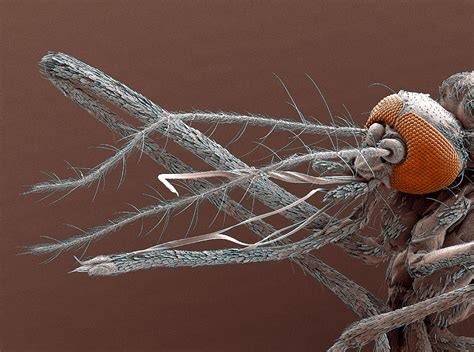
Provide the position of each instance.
(434, 140)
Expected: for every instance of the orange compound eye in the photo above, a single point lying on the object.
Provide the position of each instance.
(387, 111)
(432, 161)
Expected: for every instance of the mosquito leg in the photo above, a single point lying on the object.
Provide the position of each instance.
(426, 264)
(369, 329)
(443, 340)
(415, 338)
(450, 278)
(425, 251)
(361, 301)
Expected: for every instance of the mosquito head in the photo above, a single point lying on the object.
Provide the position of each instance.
(434, 140)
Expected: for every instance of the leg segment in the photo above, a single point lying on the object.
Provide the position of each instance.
(368, 329)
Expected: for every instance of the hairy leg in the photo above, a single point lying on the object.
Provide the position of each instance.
(368, 329)
(442, 340)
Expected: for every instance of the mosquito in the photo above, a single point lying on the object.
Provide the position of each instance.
(411, 166)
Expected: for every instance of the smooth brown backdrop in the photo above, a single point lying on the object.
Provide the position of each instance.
(212, 55)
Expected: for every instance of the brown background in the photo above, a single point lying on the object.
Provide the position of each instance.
(184, 55)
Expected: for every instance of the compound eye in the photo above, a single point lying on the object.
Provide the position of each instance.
(432, 160)
(386, 111)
